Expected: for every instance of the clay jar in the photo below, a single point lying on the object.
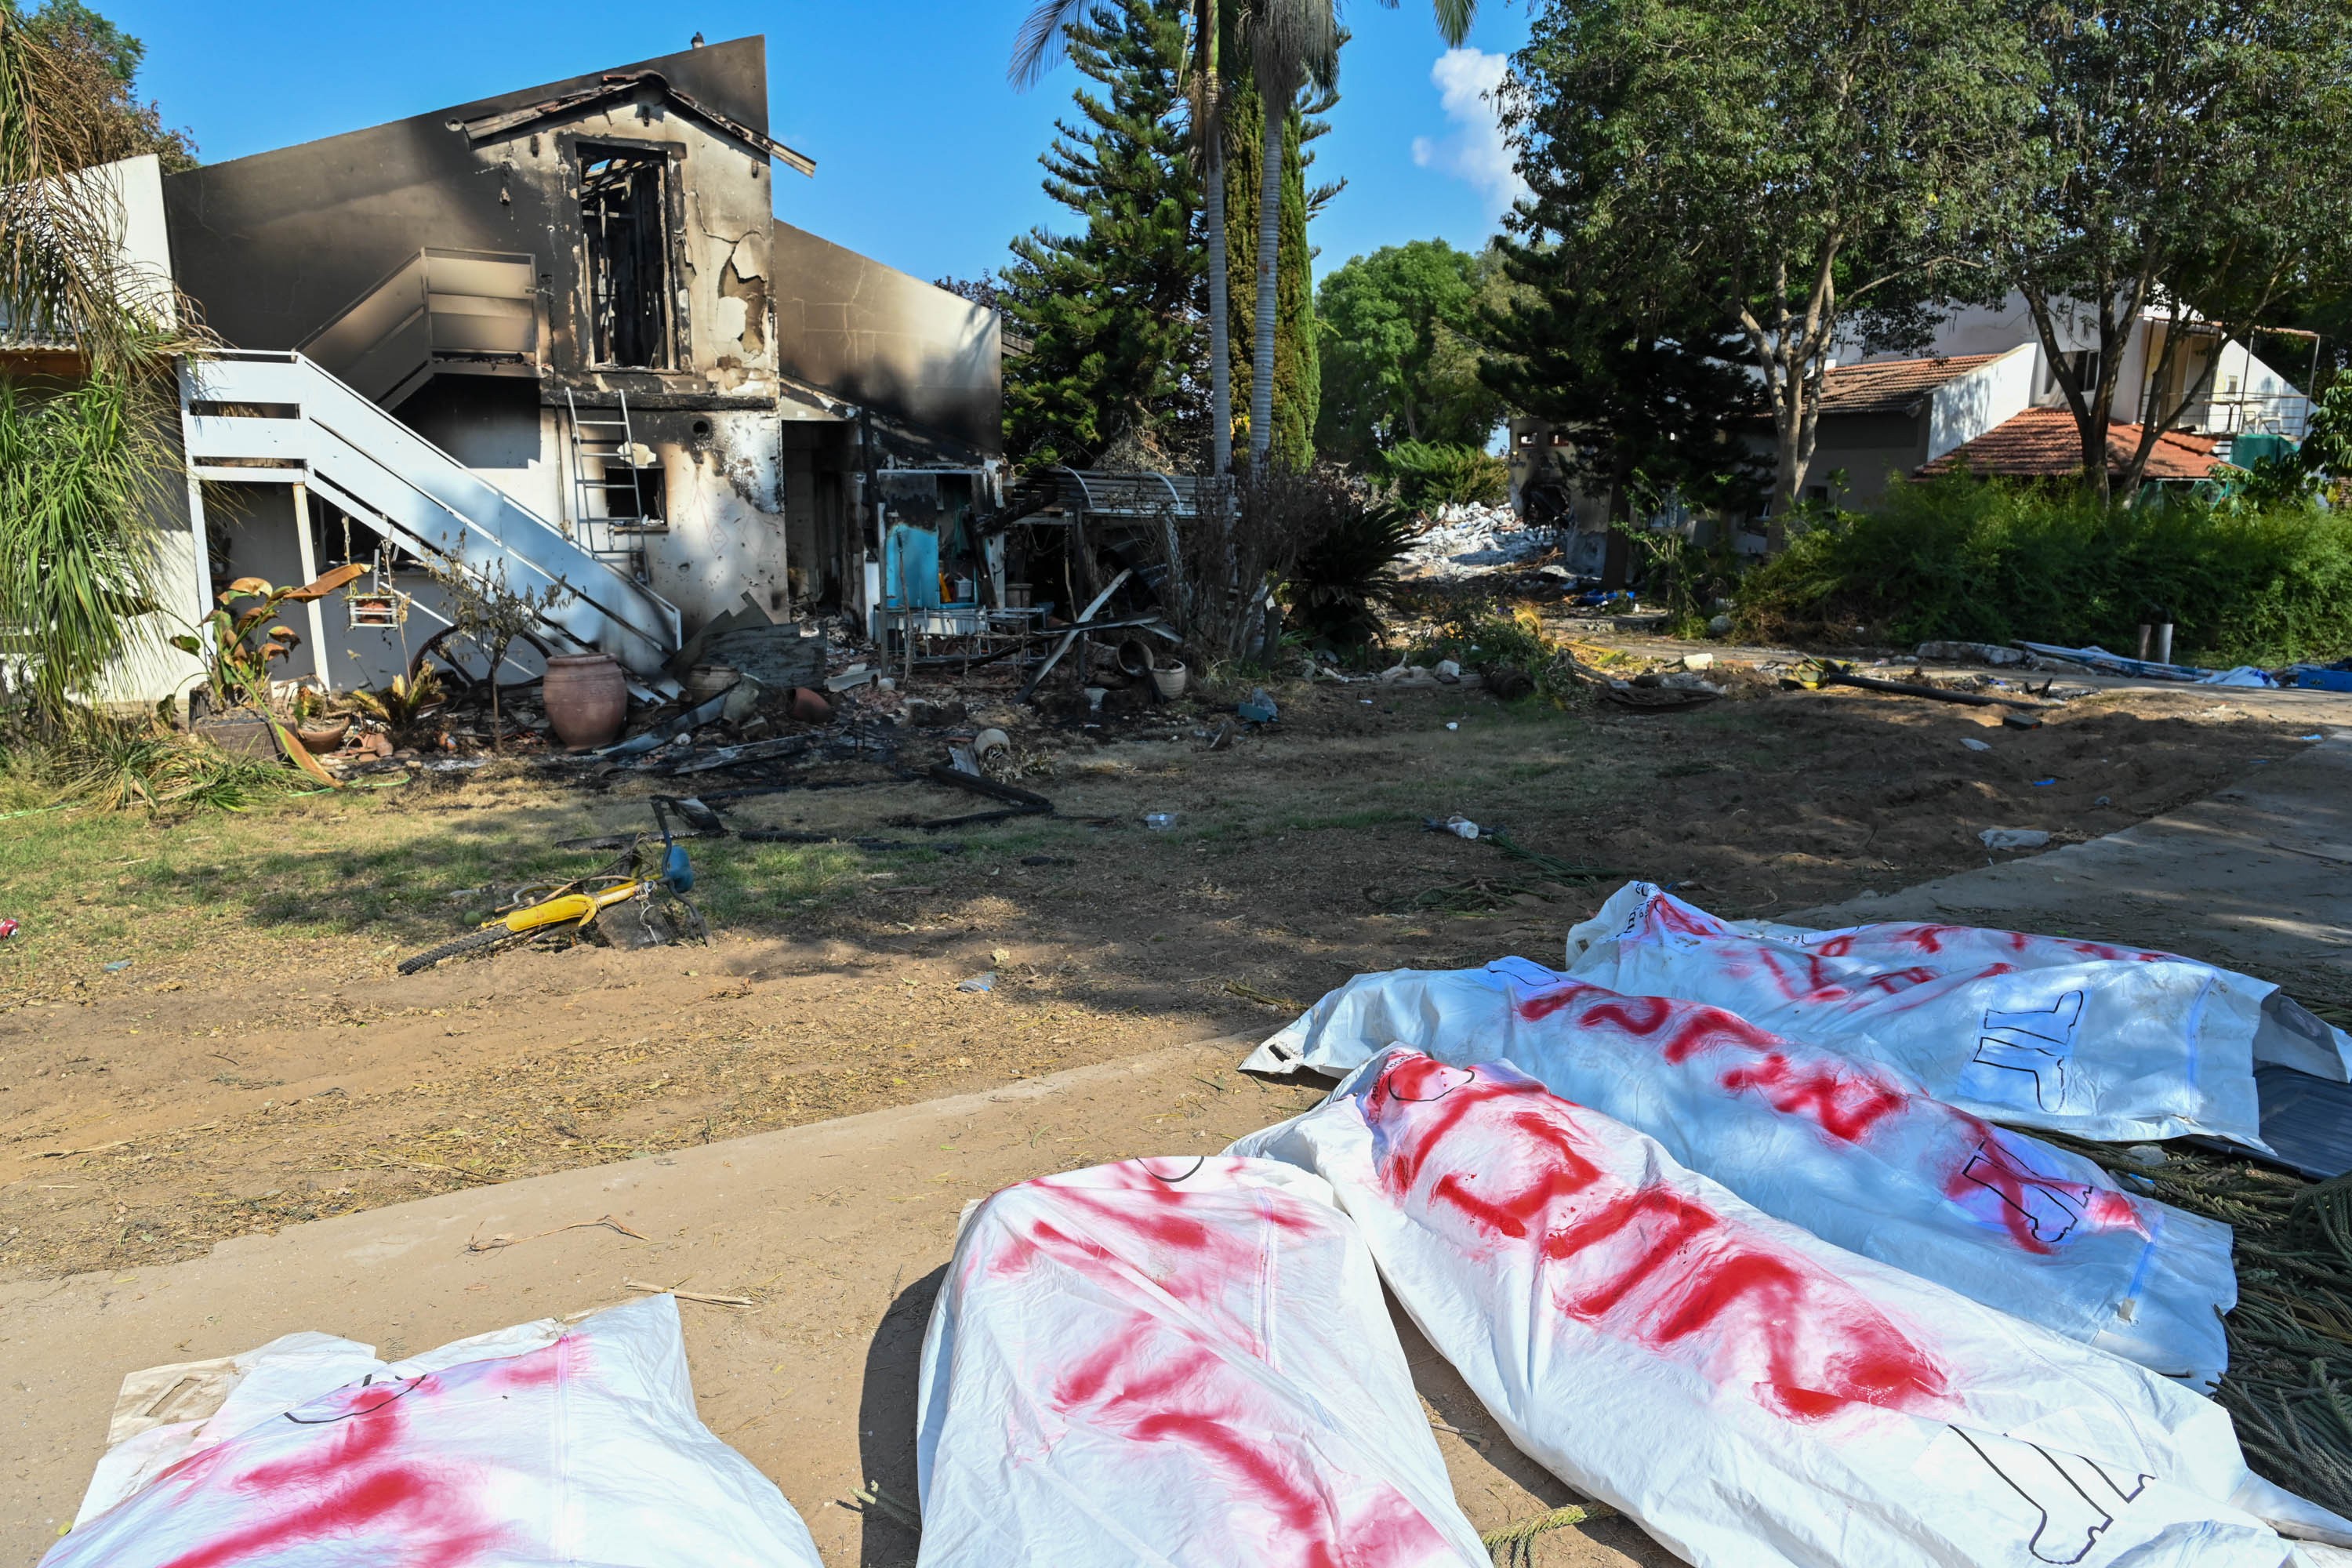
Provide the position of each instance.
(585, 698)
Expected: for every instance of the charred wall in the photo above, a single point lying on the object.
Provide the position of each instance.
(875, 336)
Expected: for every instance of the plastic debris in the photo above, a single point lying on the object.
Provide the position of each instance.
(1750, 1395)
(534, 1444)
(1457, 824)
(2013, 838)
(1857, 1153)
(1159, 821)
(9, 927)
(978, 983)
(1452, 724)
(1174, 1361)
(1258, 710)
(2043, 783)
(2104, 1042)
(1973, 745)
(118, 966)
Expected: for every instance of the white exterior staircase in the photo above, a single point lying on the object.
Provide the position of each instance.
(253, 417)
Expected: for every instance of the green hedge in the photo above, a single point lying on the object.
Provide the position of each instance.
(1987, 562)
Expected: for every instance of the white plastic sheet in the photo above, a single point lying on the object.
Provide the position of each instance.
(534, 1444)
(1180, 1363)
(2099, 1041)
(1855, 1152)
(1750, 1395)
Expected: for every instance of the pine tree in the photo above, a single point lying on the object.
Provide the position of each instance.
(1112, 312)
(1655, 397)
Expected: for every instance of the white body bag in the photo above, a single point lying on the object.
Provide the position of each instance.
(1186, 1363)
(1854, 1152)
(535, 1445)
(2101, 1042)
(1751, 1395)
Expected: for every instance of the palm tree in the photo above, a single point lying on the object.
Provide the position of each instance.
(1291, 43)
(81, 466)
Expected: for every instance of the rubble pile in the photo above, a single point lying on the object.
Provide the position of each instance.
(1463, 541)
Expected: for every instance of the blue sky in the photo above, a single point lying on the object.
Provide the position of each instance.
(927, 158)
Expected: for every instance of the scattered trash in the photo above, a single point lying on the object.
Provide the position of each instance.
(536, 1438)
(1464, 540)
(1018, 802)
(1973, 653)
(2013, 838)
(989, 743)
(1159, 821)
(1457, 824)
(2020, 722)
(2311, 737)
(1258, 710)
(2043, 783)
(1957, 1432)
(1207, 1341)
(2105, 663)
(979, 982)
(1448, 671)
(9, 927)
(1880, 1184)
(1973, 745)
(1451, 724)
(1828, 672)
(2103, 800)
(118, 966)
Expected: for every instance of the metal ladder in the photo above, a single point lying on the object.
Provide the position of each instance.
(608, 506)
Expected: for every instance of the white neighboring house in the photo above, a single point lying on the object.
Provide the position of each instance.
(1986, 395)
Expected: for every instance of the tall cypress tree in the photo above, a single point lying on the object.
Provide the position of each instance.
(1112, 312)
(1297, 363)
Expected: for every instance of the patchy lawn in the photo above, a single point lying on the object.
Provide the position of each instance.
(251, 1058)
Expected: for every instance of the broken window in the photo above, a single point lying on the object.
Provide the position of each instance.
(625, 206)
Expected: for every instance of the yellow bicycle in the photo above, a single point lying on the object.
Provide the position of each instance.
(573, 904)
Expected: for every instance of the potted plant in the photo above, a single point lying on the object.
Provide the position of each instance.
(317, 721)
(238, 642)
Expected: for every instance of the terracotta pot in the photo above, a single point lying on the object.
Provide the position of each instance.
(585, 698)
(240, 732)
(810, 707)
(322, 735)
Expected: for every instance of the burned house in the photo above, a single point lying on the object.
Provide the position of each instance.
(559, 340)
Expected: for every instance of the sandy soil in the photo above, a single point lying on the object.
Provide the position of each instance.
(251, 1067)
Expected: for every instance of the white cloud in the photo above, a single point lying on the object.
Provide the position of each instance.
(1467, 82)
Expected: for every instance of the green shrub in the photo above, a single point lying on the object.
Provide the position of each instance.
(1429, 474)
(1341, 578)
(1985, 560)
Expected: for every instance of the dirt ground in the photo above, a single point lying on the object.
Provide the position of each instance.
(202, 1034)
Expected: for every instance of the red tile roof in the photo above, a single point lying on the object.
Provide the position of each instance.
(1894, 385)
(2043, 442)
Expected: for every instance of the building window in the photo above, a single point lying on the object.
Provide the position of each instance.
(625, 207)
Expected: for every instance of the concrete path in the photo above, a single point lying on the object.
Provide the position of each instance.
(839, 1229)
(2257, 877)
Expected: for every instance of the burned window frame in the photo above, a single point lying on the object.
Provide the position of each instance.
(578, 150)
